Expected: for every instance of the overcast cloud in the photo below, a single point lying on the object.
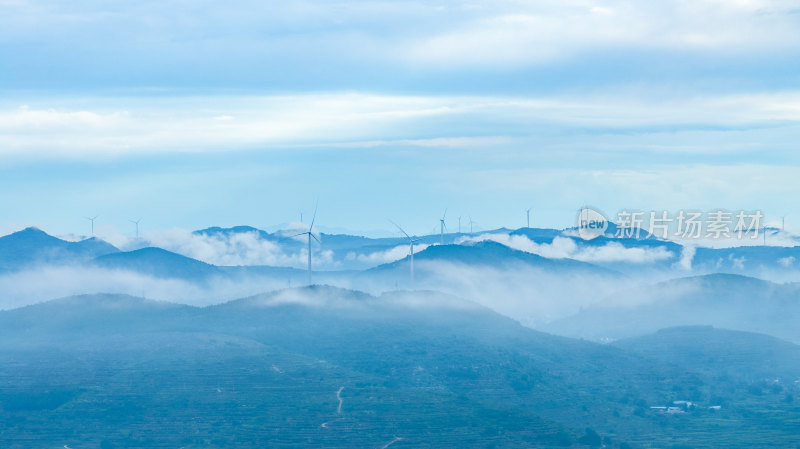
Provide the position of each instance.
(159, 109)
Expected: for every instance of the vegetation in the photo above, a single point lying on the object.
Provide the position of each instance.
(116, 371)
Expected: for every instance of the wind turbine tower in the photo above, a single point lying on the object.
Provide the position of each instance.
(528, 214)
(136, 222)
(470, 225)
(459, 225)
(411, 241)
(442, 227)
(92, 219)
(310, 234)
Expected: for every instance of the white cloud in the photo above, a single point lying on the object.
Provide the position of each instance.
(518, 34)
(25, 117)
(438, 142)
(232, 249)
(117, 126)
(738, 262)
(615, 252)
(386, 256)
(526, 294)
(566, 248)
(687, 256)
(27, 287)
(195, 124)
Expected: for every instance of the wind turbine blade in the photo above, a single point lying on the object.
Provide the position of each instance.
(302, 233)
(444, 214)
(314, 217)
(401, 229)
(314, 237)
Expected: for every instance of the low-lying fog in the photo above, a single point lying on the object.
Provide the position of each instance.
(541, 282)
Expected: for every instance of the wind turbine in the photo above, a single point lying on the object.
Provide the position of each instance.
(136, 222)
(92, 219)
(459, 225)
(470, 225)
(442, 226)
(311, 235)
(528, 212)
(411, 241)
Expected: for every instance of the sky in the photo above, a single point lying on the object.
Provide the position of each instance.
(193, 114)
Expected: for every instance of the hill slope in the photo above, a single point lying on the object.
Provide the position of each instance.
(495, 255)
(328, 367)
(745, 356)
(159, 263)
(720, 300)
(32, 246)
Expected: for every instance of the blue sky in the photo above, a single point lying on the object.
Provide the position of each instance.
(194, 114)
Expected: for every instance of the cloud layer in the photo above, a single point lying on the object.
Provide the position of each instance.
(169, 40)
(109, 127)
(566, 248)
(492, 105)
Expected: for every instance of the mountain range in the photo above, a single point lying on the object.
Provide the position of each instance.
(608, 298)
(32, 246)
(722, 300)
(329, 367)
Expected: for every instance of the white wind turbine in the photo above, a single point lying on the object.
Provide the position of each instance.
(311, 235)
(92, 219)
(528, 212)
(442, 227)
(470, 225)
(411, 241)
(136, 222)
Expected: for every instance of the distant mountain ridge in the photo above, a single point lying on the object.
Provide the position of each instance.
(32, 246)
(349, 252)
(159, 263)
(722, 300)
(743, 355)
(493, 254)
